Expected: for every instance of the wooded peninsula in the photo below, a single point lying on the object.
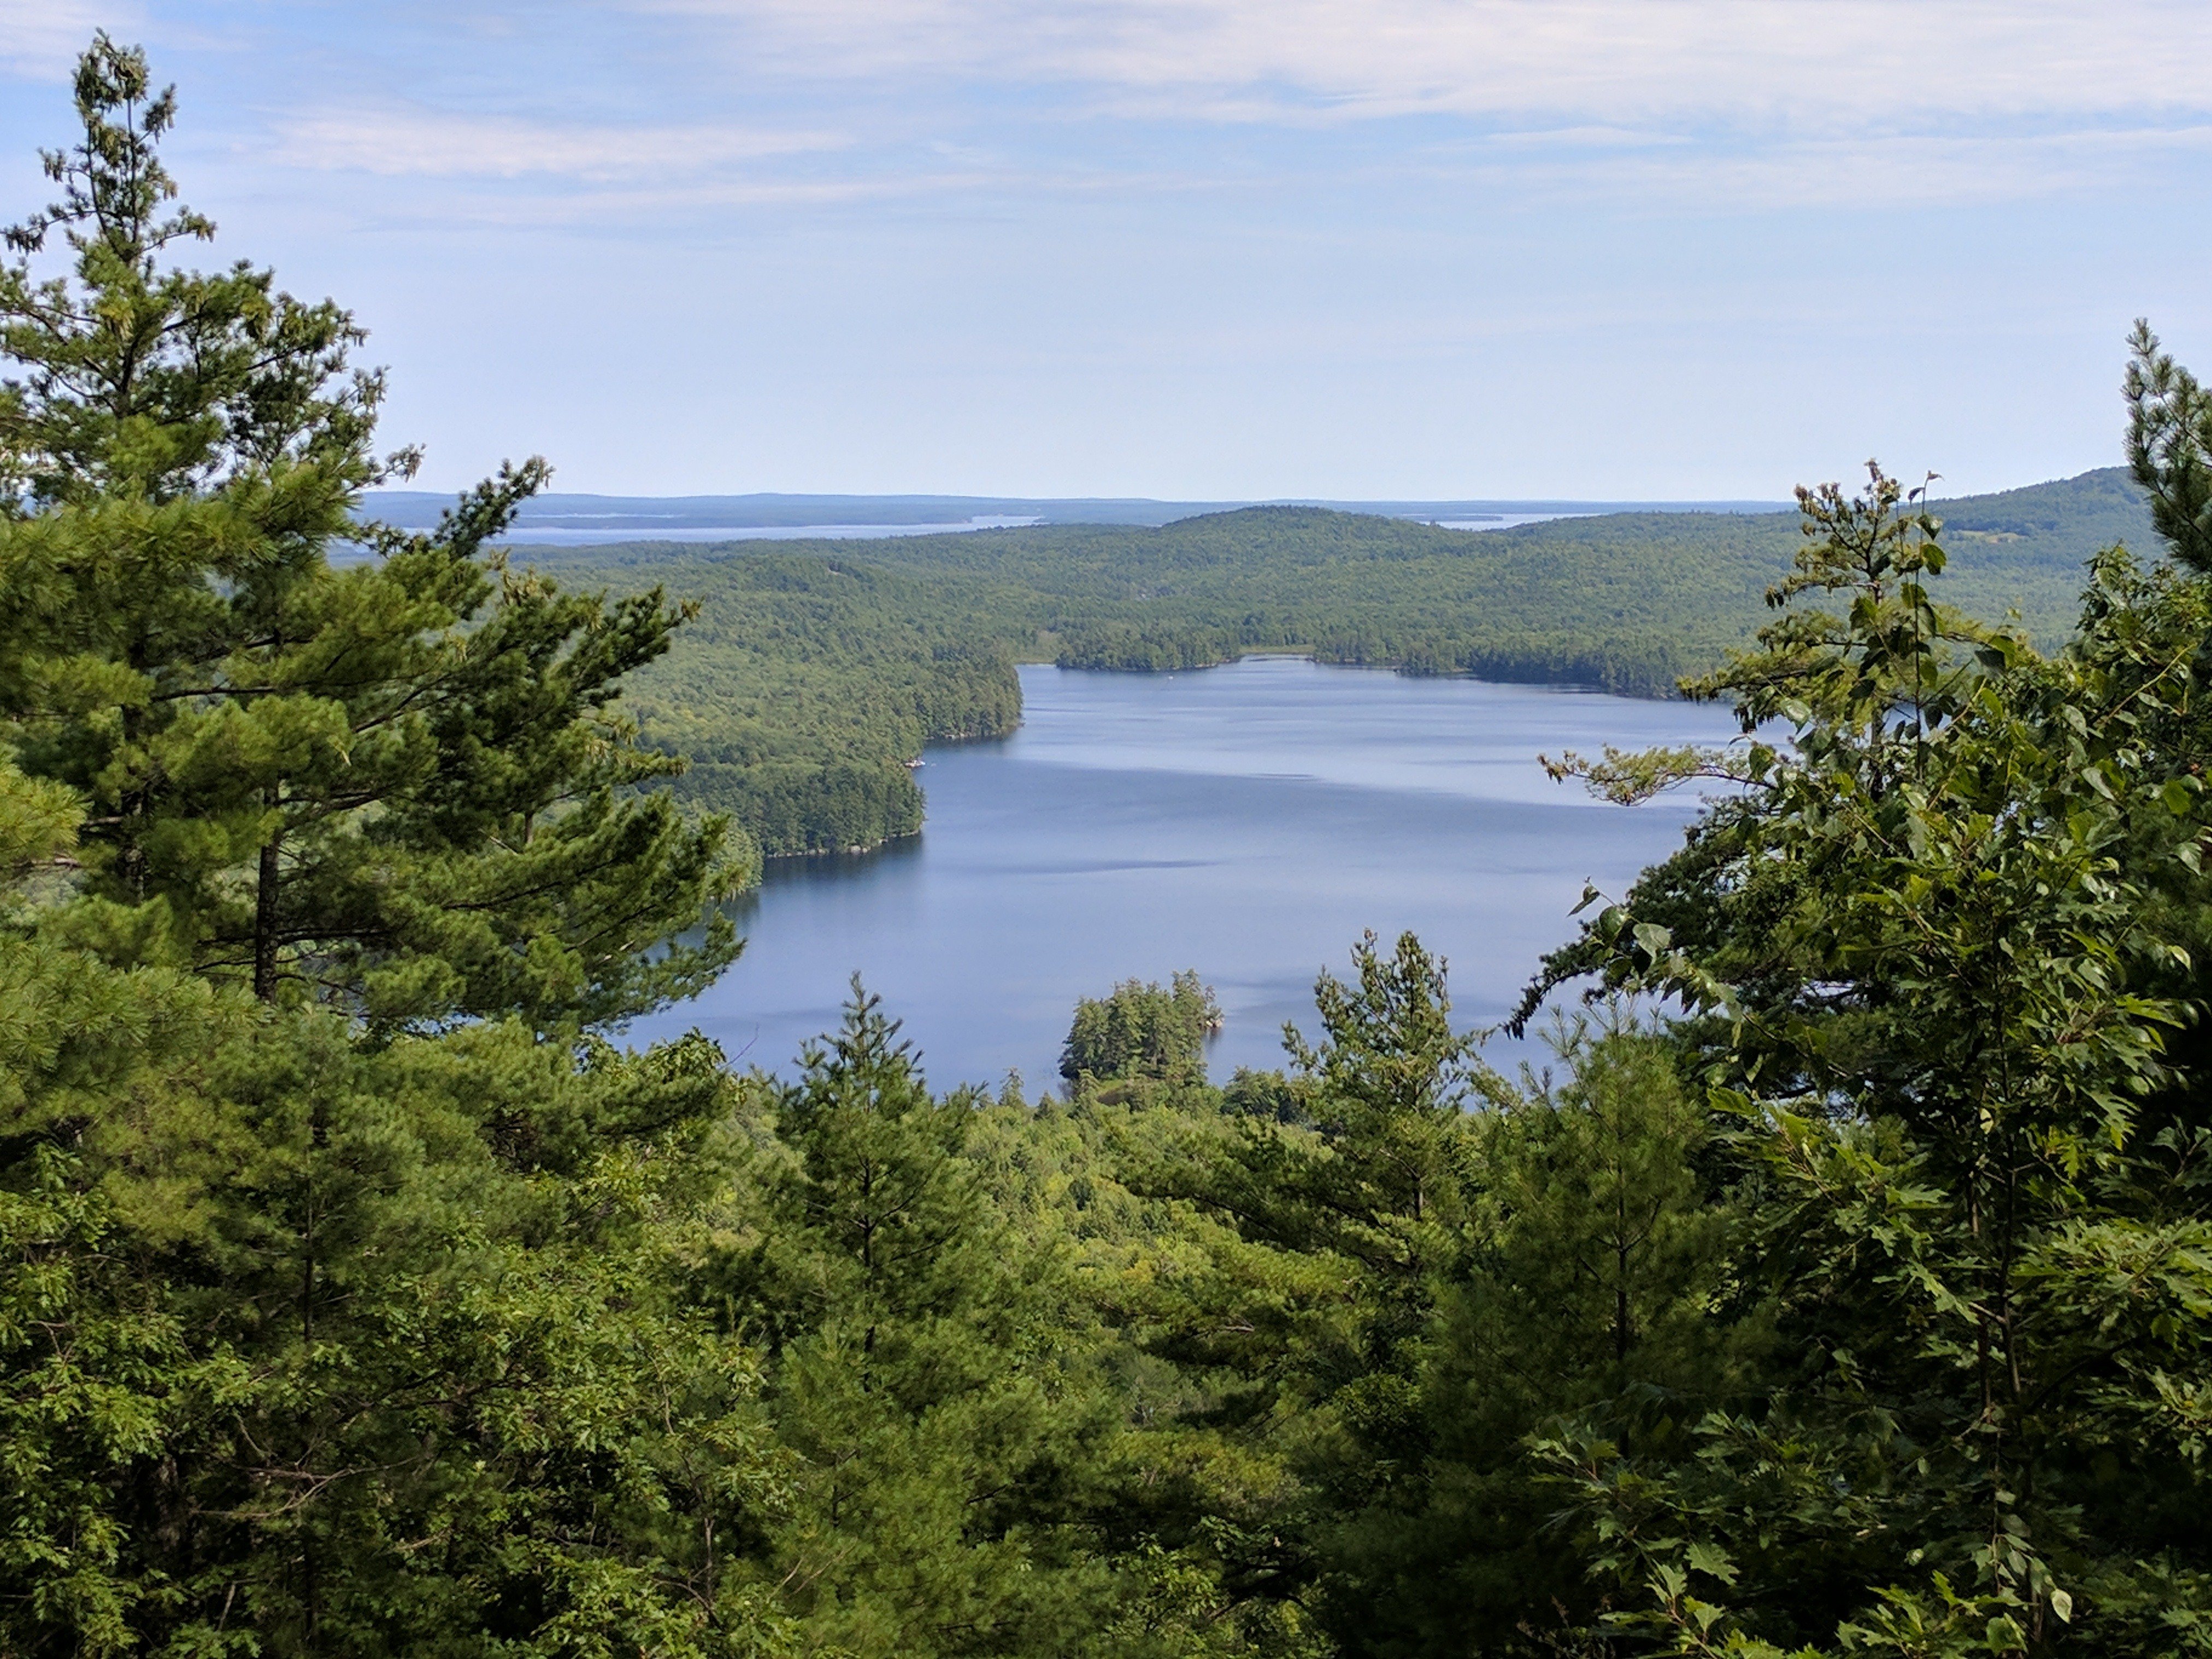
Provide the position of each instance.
(1841, 1286)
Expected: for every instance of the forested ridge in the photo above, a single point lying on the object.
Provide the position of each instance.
(1839, 1288)
(817, 670)
(803, 687)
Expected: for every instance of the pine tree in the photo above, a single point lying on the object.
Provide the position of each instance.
(924, 1369)
(1143, 1034)
(1594, 1259)
(1936, 955)
(399, 786)
(340, 1265)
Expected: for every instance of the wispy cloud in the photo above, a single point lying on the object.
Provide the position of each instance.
(1827, 62)
(40, 40)
(1210, 246)
(396, 141)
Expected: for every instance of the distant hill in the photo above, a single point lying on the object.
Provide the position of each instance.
(2014, 551)
(2073, 515)
(1625, 600)
(562, 519)
(818, 668)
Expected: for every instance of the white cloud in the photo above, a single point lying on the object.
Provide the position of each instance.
(402, 141)
(1668, 105)
(1828, 63)
(40, 40)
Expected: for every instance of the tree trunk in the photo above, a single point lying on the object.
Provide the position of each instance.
(265, 916)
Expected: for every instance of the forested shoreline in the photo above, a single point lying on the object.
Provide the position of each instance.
(816, 671)
(806, 687)
(1837, 1289)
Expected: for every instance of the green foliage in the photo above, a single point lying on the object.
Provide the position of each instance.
(803, 688)
(356, 1297)
(1142, 1033)
(321, 1331)
(399, 787)
(1943, 947)
(1378, 1177)
(1626, 602)
(156, 383)
(1388, 1294)
(2169, 437)
(817, 671)
(944, 1431)
(1582, 1279)
(305, 1346)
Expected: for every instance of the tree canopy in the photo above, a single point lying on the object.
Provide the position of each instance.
(1837, 1287)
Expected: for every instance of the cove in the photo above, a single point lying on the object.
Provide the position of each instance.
(1248, 821)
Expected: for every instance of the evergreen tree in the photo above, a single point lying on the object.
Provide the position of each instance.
(2169, 444)
(357, 1296)
(1339, 1224)
(926, 1372)
(94, 1063)
(1593, 1262)
(338, 1272)
(399, 786)
(1142, 1033)
(1380, 1177)
(1940, 948)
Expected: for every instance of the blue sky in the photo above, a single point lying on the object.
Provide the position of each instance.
(1205, 248)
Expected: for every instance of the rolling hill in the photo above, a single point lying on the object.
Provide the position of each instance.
(819, 668)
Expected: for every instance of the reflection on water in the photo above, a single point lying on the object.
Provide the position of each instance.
(831, 868)
(1248, 821)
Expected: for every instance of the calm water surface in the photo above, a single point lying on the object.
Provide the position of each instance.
(1247, 821)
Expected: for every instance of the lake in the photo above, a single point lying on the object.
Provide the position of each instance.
(1248, 821)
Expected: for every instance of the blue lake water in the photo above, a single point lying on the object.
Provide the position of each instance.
(1248, 821)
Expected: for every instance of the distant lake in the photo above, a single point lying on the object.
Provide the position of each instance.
(1247, 821)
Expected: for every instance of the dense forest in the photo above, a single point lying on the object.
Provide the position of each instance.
(804, 686)
(816, 670)
(1838, 1289)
